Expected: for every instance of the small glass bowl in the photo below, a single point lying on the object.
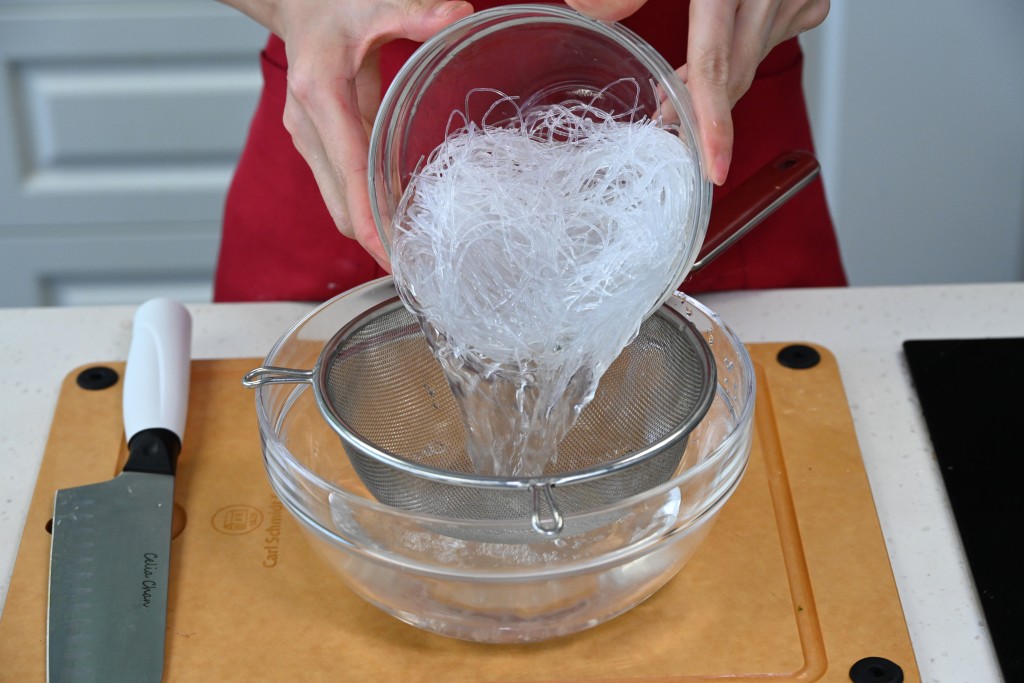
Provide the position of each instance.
(430, 573)
(538, 54)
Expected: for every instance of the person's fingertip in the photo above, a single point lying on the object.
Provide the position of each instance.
(720, 168)
(590, 9)
(379, 255)
(449, 10)
(716, 138)
(606, 10)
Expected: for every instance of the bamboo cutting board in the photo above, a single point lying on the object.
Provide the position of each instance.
(792, 584)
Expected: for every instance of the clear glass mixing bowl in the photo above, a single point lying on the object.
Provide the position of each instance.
(538, 54)
(430, 573)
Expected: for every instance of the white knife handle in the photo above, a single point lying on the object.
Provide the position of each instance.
(156, 376)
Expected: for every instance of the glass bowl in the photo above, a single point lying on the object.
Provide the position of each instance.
(539, 55)
(442, 574)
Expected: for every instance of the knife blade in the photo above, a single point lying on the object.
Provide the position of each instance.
(110, 552)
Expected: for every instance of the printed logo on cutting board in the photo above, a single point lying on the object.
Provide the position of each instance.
(237, 520)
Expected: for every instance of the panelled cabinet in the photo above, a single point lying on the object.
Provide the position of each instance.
(120, 125)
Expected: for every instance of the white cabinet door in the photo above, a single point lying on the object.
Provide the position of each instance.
(120, 125)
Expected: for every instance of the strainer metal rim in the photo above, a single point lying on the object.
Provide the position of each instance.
(274, 452)
(680, 302)
(383, 302)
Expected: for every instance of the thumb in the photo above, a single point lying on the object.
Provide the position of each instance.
(419, 20)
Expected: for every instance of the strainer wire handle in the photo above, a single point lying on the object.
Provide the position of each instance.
(273, 375)
(543, 497)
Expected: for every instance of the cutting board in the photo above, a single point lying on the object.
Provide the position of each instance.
(792, 584)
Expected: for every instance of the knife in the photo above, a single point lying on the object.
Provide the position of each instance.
(110, 553)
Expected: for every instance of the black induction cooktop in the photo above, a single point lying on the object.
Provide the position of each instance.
(972, 395)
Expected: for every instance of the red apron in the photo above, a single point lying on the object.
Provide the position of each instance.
(280, 243)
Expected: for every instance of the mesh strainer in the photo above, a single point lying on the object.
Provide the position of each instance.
(378, 385)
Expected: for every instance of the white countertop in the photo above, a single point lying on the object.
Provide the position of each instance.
(863, 327)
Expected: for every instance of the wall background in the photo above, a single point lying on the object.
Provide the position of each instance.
(120, 122)
(918, 108)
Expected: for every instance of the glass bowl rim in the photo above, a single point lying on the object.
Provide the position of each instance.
(678, 94)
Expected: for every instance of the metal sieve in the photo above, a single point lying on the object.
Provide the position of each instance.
(381, 389)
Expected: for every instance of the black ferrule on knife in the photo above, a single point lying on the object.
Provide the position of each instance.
(153, 451)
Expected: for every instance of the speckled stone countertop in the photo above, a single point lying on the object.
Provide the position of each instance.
(863, 327)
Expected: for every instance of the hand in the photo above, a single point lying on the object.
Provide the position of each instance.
(726, 42)
(333, 49)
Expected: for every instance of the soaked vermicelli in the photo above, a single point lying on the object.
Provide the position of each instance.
(531, 249)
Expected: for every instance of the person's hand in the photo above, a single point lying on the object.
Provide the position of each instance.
(726, 42)
(333, 49)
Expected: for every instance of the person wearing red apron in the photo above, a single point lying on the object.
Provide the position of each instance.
(280, 241)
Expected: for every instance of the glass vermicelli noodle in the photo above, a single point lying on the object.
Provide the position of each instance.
(531, 249)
